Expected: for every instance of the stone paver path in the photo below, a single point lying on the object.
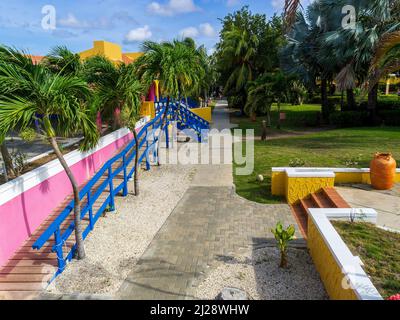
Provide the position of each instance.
(208, 224)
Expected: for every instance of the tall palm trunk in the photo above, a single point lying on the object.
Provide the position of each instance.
(77, 208)
(372, 103)
(324, 99)
(7, 159)
(351, 102)
(136, 178)
(279, 114)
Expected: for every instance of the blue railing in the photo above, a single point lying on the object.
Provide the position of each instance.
(186, 119)
(148, 136)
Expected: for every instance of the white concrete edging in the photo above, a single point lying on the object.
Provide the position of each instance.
(36, 176)
(350, 265)
(322, 169)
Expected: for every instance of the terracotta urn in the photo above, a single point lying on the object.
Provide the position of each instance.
(383, 171)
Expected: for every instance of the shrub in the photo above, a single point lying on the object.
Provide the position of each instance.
(28, 135)
(296, 162)
(345, 119)
(351, 161)
(390, 117)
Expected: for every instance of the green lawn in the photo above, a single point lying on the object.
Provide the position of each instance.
(297, 118)
(378, 249)
(329, 148)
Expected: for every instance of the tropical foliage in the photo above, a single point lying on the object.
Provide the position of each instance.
(30, 91)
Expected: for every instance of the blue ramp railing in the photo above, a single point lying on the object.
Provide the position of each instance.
(148, 136)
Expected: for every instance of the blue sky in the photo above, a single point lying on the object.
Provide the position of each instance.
(127, 22)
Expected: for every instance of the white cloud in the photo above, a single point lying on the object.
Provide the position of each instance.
(172, 7)
(231, 3)
(207, 30)
(190, 32)
(71, 22)
(278, 4)
(139, 34)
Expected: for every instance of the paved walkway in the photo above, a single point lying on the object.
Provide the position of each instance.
(387, 204)
(209, 223)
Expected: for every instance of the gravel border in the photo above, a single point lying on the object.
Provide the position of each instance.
(257, 273)
(118, 240)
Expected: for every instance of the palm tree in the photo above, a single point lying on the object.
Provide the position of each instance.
(116, 87)
(63, 61)
(237, 53)
(32, 89)
(174, 64)
(11, 56)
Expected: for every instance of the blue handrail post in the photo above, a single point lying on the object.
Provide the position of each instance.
(125, 190)
(111, 185)
(166, 135)
(59, 250)
(90, 205)
(147, 150)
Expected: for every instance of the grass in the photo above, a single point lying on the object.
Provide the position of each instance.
(378, 249)
(297, 118)
(331, 148)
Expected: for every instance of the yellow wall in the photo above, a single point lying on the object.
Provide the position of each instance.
(278, 183)
(325, 263)
(109, 50)
(148, 109)
(204, 113)
(134, 55)
(300, 188)
(279, 180)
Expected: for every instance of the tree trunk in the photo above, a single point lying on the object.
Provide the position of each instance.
(135, 178)
(163, 123)
(372, 103)
(351, 102)
(77, 208)
(279, 115)
(324, 99)
(284, 261)
(7, 159)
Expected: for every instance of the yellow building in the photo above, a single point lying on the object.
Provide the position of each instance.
(111, 51)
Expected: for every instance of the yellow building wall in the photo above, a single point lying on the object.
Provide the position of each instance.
(300, 188)
(148, 109)
(134, 55)
(109, 50)
(204, 113)
(325, 263)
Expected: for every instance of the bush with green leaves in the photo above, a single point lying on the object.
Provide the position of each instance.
(28, 134)
(297, 162)
(352, 161)
(19, 162)
(283, 237)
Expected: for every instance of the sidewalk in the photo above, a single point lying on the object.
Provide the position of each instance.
(209, 223)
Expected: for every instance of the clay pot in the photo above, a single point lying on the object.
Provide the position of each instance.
(383, 171)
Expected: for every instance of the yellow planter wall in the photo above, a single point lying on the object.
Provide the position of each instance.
(327, 266)
(278, 183)
(299, 188)
(204, 113)
(278, 187)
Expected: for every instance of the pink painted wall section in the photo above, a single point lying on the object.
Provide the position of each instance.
(20, 216)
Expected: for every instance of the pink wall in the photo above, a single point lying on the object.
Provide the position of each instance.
(20, 216)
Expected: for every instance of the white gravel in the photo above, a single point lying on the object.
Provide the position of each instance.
(258, 274)
(118, 240)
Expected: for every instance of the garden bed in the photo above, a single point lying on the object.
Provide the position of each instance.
(378, 249)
